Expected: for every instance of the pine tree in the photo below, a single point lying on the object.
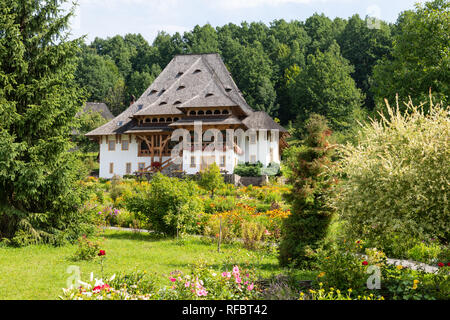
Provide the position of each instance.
(38, 103)
(308, 224)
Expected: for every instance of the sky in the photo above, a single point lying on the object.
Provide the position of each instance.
(107, 18)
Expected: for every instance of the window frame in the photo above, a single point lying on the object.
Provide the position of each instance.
(139, 166)
(109, 145)
(128, 145)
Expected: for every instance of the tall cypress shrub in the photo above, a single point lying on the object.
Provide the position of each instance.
(304, 229)
(38, 103)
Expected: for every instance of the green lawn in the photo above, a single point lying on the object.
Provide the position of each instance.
(39, 272)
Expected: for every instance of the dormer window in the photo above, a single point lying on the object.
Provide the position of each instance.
(209, 95)
(152, 92)
(228, 89)
(163, 103)
(162, 91)
(140, 107)
(120, 123)
(175, 119)
(197, 71)
(192, 113)
(225, 112)
(179, 74)
(181, 87)
(177, 102)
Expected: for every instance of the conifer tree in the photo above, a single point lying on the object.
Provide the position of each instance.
(38, 103)
(308, 224)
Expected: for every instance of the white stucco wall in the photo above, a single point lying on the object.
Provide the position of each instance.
(119, 157)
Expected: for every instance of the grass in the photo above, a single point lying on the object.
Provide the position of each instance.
(40, 271)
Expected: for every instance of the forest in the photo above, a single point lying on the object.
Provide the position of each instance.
(341, 68)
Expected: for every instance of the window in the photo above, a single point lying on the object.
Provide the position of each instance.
(128, 168)
(225, 112)
(193, 165)
(271, 155)
(253, 158)
(253, 138)
(125, 145)
(222, 161)
(112, 145)
(111, 168)
(141, 166)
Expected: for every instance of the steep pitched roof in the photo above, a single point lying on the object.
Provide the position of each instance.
(195, 80)
(261, 120)
(100, 107)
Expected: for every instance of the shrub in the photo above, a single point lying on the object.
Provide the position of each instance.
(170, 205)
(342, 270)
(248, 169)
(394, 184)
(252, 233)
(425, 253)
(309, 222)
(86, 249)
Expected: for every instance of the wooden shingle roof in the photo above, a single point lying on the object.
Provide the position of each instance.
(193, 80)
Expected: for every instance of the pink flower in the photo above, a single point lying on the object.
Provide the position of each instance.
(173, 279)
(202, 292)
(187, 284)
(250, 287)
(238, 280)
(236, 270)
(226, 274)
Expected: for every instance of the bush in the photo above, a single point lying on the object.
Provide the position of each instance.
(252, 233)
(248, 169)
(86, 249)
(342, 270)
(170, 205)
(311, 216)
(394, 184)
(425, 253)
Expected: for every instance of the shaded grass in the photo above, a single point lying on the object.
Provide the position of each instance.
(40, 271)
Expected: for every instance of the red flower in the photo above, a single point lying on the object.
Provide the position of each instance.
(448, 264)
(440, 264)
(365, 263)
(101, 253)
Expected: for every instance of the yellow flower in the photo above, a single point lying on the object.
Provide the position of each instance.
(321, 275)
(399, 267)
